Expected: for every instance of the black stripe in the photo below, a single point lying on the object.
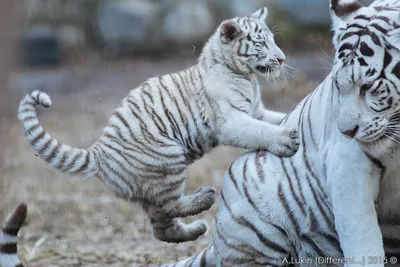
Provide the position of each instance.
(379, 28)
(10, 231)
(292, 191)
(147, 147)
(299, 184)
(38, 138)
(362, 17)
(73, 161)
(241, 247)
(244, 185)
(288, 210)
(237, 108)
(117, 174)
(383, 18)
(328, 220)
(366, 50)
(244, 222)
(345, 46)
(310, 125)
(31, 129)
(259, 168)
(85, 163)
(147, 93)
(143, 125)
(232, 177)
(377, 163)
(45, 146)
(9, 248)
(396, 70)
(53, 153)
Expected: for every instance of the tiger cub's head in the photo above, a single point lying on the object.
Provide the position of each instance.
(246, 45)
(366, 72)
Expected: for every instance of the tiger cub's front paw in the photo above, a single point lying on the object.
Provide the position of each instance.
(286, 142)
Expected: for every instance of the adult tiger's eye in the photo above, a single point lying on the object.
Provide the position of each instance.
(262, 43)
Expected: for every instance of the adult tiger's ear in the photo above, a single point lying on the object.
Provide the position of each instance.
(261, 14)
(229, 31)
(340, 11)
(393, 38)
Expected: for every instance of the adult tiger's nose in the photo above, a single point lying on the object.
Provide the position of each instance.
(352, 132)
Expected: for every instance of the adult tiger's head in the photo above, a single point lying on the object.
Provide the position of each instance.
(246, 45)
(366, 71)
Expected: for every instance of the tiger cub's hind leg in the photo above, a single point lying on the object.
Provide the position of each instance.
(174, 231)
(170, 203)
(166, 226)
(182, 206)
(166, 200)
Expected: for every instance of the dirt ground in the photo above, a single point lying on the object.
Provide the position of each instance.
(78, 223)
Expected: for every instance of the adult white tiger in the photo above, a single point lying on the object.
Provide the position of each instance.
(168, 122)
(337, 196)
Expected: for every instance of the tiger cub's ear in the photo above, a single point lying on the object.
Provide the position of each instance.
(229, 31)
(261, 14)
(340, 10)
(343, 8)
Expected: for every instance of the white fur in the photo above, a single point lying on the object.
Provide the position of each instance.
(4, 238)
(9, 260)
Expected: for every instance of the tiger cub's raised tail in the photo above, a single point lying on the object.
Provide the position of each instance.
(8, 237)
(60, 156)
(202, 259)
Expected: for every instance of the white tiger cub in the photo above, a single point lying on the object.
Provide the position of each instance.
(8, 236)
(166, 123)
(336, 201)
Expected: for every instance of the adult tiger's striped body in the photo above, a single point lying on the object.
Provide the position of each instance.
(8, 237)
(168, 122)
(337, 196)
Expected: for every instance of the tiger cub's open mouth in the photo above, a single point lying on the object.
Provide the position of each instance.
(264, 69)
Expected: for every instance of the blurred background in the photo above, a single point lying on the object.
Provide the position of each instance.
(88, 54)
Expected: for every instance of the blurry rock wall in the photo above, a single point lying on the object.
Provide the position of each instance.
(118, 27)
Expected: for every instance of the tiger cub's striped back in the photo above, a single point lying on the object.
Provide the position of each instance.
(8, 237)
